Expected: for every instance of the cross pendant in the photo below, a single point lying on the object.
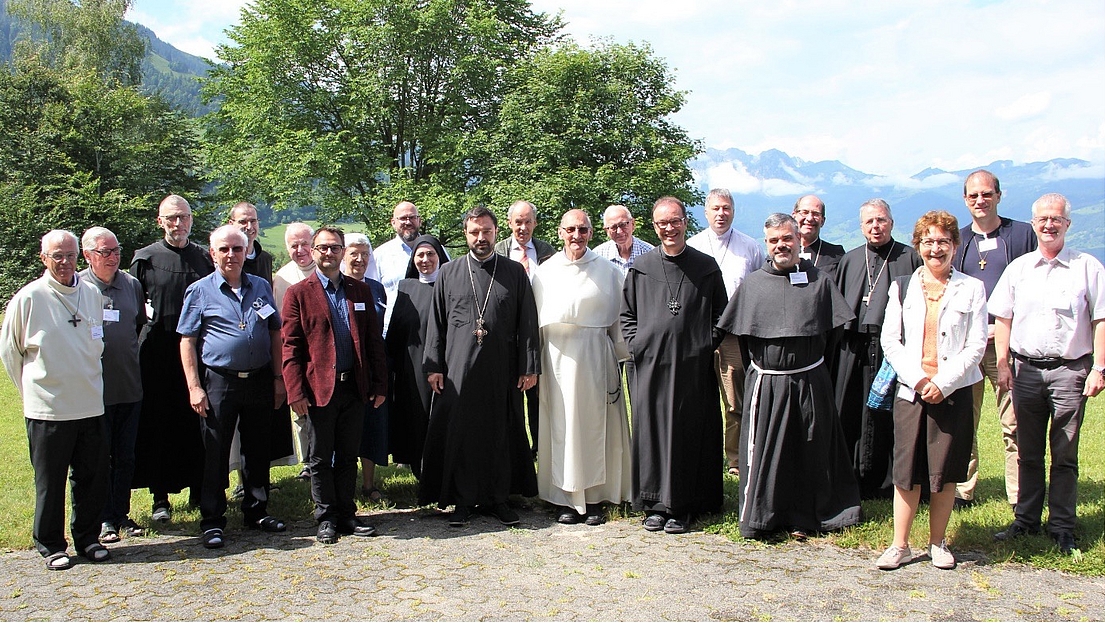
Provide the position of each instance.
(479, 332)
(982, 263)
(74, 320)
(674, 306)
(242, 326)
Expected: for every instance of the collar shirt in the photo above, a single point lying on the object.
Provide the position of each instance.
(339, 320)
(737, 254)
(609, 250)
(391, 260)
(1052, 303)
(124, 316)
(517, 251)
(232, 327)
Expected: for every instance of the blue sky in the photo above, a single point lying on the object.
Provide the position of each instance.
(889, 88)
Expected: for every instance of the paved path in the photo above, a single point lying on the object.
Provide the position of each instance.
(420, 569)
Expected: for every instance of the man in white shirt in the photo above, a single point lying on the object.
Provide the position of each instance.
(297, 240)
(737, 254)
(622, 247)
(391, 257)
(1049, 313)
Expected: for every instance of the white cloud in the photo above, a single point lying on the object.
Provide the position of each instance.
(911, 183)
(1091, 171)
(735, 177)
(1027, 106)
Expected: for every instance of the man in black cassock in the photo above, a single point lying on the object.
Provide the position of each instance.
(673, 297)
(169, 451)
(795, 472)
(809, 212)
(482, 352)
(864, 275)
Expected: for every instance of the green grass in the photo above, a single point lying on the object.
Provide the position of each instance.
(272, 239)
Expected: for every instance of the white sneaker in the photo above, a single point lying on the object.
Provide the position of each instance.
(942, 557)
(894, 557)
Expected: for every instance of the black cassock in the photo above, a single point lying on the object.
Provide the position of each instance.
(476, 448)
(169, 450)
(676, 435)
(410, 405)
(869, 434)
(825, 256)
(794, 465)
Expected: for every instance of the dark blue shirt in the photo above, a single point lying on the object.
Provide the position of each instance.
(215, 314)
(339, 319)
(379, 298)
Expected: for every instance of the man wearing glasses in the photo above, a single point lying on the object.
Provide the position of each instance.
(124, 317)
(389, 263)
(1049, 312)
(809, 212)
(333, 366)
(989, 243)
(623, 247)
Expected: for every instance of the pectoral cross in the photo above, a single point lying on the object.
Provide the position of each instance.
(479, 332)
(982, 263)
(242, 326)
(674, 306)
(73, 321)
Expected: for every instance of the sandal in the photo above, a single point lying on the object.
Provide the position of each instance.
(58, 561)
(108, 533)
(128, 527)
(268, 524)
(212, 538)
(95, 553)
(372, 494)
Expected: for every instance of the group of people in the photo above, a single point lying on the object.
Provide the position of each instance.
(209, 358)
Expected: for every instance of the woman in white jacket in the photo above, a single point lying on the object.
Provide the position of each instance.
(934, 338)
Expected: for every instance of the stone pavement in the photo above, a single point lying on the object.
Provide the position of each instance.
(420, 569)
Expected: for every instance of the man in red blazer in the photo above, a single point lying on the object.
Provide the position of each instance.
(333, 366)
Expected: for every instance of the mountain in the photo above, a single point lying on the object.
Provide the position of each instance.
(773, 180)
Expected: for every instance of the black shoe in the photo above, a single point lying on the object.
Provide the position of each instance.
(1014, 531)
(459, 516)
(595, 516)
(798, 534)
(353, 526)
(327, 533)
(304, 474)
(678, 525)
(213, 538)
(1066, 542)
(568, 516)
(506, 516)
(961, 504)
(655, 522)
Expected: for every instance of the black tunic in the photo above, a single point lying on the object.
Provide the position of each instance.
(476, 450)
(869, 435)
(410, 405)
(677, 437)
(169, 450)
(794, 465)
(825, 256)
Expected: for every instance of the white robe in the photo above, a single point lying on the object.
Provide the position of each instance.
(583, 454)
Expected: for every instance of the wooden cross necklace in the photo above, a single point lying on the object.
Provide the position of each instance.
(480, 332)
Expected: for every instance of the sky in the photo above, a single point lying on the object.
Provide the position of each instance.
(889, 88)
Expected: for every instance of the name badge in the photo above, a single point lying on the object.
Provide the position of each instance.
(264, 310)
(987, 244)
(97, 331)
(358, 306)
(906, 393)
(806, 255)
(798, 278)
(111, 315)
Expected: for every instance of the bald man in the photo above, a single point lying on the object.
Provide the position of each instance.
(623, 247)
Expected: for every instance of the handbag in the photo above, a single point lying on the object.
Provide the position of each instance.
(881, 396)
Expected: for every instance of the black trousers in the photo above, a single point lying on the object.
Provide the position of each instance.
(77, 449)
(335, 440)
(247, 405)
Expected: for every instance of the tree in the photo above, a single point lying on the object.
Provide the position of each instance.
(353, 105)
(586, 128)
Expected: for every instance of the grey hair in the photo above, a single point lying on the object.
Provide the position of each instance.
(297, 226)
(92, 234)
(878, 203)
(357, 239)
(225, 232)
(778, 220)
(518, 204)
(720, 193)
(1052, 198)
(54, 234)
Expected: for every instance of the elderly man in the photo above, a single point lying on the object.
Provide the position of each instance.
(989, 243)
(863, 276)
(169, 450)
(482, 353)
(258, 261)
(391, 258)
(583, 457)
(737, 254)
(528, 251)
(623, 247)
(809, 212)
(50, 343)
(124, 317)
(1049, 307)
(334, 365)
(673, 297)
(230, 325)
(297, 239)
(795, 472)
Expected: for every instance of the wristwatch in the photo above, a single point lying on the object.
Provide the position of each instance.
(1099, 369)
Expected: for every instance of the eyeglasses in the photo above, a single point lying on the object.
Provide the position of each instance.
(882, 220)
(299, 245)
(407, 219)
(930, 243)
(571, 229)
(808, 214)
(675, 222)
(172, 218)
(329, 248)
(985, 195)
(107, 252)
(618, 226)
(1045, 220)
(62, 257)
(234, 249)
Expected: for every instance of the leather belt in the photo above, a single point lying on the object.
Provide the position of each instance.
(1044, 363)
(241, 374)
(345, 376)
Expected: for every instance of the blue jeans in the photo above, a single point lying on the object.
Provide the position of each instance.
(121, 422)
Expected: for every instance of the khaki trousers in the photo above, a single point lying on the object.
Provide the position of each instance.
(730, 377)
(989, 366)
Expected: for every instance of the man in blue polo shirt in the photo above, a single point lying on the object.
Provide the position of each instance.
(229, 323)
